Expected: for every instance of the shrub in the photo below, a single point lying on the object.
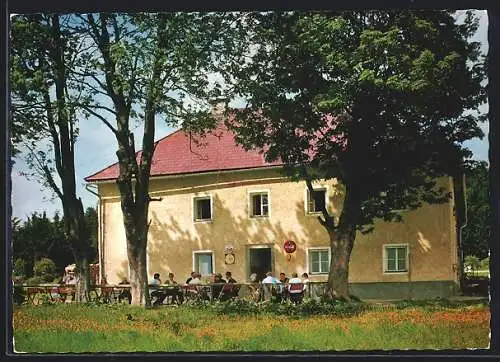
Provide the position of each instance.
(45, 268)
(18, 295)
(18, 269)
(34, 281)
(307, 307)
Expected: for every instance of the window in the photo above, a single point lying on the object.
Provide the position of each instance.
(319, 261)
(259, 204)
(396, 258)
(316, 201)
(203, 262)
(202, 208)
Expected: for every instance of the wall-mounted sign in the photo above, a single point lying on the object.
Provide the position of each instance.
(289, 246)
(229, 259)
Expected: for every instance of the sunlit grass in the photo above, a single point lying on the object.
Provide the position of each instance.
(77, 328)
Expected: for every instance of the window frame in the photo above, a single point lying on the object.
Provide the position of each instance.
(317, 249)
(385, 259)
(251, 194)
(198, 252)
(307, 197)
(194, 207)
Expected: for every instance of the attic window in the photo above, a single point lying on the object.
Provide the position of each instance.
(259, 204)
(316, 201)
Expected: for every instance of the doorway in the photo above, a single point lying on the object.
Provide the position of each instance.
(259, 261)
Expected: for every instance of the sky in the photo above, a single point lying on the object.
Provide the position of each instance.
(96, 147)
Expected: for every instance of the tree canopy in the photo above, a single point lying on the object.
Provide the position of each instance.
(477, 233)
(376, 99)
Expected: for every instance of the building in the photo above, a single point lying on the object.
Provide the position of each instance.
(224, 208)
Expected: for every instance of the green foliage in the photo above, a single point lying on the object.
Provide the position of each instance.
(472, 261)
(19, 269)
(308, 307)
(476, 235)
(36, 280)
(107, 328)
(357, 88)
(45, 269)
(18, 295)
(39, 237)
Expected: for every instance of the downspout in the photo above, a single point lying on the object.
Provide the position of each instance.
(100, 234)
(460, 229)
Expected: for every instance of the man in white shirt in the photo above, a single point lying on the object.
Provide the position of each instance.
(196, 279)
(295, 291)
(155, 292)
(270, 279)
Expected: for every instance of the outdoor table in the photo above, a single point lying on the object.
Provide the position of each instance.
(196, 291)
(54, 292)
(174, 291)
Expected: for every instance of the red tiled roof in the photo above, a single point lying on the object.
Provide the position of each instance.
(178, 154)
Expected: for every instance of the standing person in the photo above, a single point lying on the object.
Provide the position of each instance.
(305, 281)
(255, 287)
(229, 278)
(294, 293)
(154, 287)
(271, 286)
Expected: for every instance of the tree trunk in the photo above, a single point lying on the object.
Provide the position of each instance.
(138, 272)
(83, 284)
(341, 243)
(79, 236)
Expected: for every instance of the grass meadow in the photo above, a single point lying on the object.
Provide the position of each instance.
(124, 328)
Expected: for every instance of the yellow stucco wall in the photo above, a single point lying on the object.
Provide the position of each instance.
(174, 236)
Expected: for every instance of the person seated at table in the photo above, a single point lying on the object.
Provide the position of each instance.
(188, 280)
(155, 291)
(294, 293)
(125, 292)
(217, 287)
(283, 278)
(171, 280)
(229, 278)
(230, 290)
(196, 278)
(176, 292)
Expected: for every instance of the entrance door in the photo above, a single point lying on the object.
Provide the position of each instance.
(260, 261)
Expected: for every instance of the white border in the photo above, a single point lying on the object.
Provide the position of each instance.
(306, 193)
(202, 195)
(250, 205)
(384, 258)
(204, 252)
(318, 248)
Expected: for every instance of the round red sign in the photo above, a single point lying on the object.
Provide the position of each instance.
(290, 246)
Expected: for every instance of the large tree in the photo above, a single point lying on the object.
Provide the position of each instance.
(150, 66)
(45, 107)
(375, 99)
